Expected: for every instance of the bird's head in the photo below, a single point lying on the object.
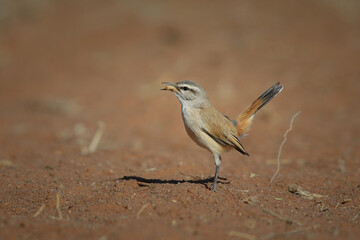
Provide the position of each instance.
(189, 93)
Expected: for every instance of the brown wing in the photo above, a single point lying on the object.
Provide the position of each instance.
(220, 129)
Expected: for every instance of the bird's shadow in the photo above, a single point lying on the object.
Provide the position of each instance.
(202, 181)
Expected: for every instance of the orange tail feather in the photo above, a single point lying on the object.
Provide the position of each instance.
(244, 120)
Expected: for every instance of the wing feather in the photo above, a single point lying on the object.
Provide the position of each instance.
(221, 130)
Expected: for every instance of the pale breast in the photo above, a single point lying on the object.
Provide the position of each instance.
(192, 122)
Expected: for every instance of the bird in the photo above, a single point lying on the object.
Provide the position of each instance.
(209, 128)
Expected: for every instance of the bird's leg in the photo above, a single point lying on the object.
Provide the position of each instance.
(213, 185)
(217, 159)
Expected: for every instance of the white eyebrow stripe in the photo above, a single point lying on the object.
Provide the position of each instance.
(191, 87)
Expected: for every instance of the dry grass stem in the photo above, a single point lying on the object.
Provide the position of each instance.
(284, 234)
(97, 137)
(346, 200)
(241, 235)
(293, 188)
(188, 175)
(250, 200)
(141, 210)
(6, 163)
(39, 210)
(143, 184)
(60, 217)
(281, 145)
(287, 220)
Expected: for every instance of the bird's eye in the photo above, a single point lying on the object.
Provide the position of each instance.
(185, 88)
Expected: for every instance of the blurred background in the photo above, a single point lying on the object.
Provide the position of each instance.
(65, 65)
(81, 107)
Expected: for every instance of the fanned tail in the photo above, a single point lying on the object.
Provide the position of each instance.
(244, 120)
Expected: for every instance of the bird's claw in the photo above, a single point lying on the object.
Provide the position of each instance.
(213, 187)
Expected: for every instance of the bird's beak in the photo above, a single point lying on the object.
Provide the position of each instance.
(170, 87)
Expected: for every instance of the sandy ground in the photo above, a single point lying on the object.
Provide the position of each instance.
(74, 72)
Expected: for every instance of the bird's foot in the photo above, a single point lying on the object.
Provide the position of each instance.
(213, 187)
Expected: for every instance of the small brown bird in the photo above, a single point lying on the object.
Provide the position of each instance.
(209, 128)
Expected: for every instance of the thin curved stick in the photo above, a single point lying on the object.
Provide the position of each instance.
(281, 145)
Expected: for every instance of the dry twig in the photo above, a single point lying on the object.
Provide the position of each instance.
(284, 234)
(143, 184)
(58, 206)
(141, 210)
(287, 220)
(281, 145)
(293, 188)
(60, 217)
(192, 176)
(241, 235)
(97, 138)
(39, 210)
(187, 175)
